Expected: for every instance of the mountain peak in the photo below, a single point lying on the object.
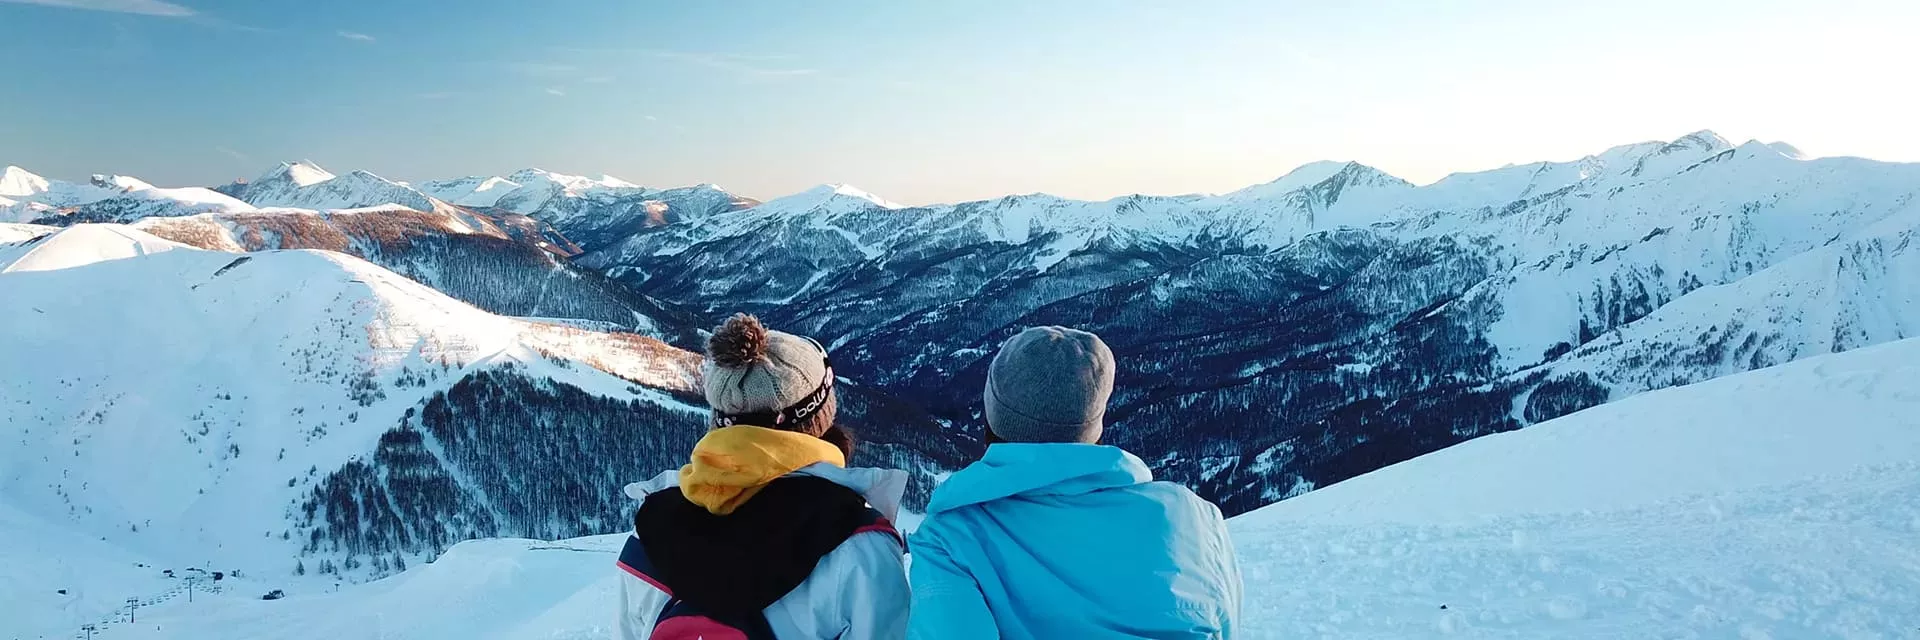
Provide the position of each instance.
(834, 197)
(850, 191)
(302, 174)
(1704, 140)
(15, 181)
(119, 183)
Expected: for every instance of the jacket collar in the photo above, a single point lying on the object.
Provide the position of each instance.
(1023, 469)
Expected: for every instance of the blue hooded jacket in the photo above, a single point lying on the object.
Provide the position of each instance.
(1069, 541)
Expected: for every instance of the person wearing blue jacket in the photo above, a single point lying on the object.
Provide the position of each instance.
(1052, 535)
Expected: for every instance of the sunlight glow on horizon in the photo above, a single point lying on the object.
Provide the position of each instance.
(924, 103)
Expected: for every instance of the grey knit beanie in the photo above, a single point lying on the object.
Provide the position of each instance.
(1049, 384)
(750, 369)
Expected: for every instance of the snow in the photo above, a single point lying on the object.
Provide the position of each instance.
(11, 233)
(170, 402)
(471, 191)
(120, 183)
(18, 182)
(301, 174)
(306, 186)
(539, 187)
(83, 244)
(1305, 175)
(827, 198)
(1777, 503)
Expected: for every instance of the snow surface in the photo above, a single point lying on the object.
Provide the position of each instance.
(471, 191)
(1780, 503)
(539, 187)
(306, 186)
(83, 244)
(11, 232)
(173, 403)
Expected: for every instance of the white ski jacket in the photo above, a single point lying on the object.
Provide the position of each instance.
(857, 592)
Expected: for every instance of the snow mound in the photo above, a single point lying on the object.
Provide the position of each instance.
(1777, 503)
(1820, 416)
(11, 233)
(81, 245)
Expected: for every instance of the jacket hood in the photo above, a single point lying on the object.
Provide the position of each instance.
(731, 464)
(1038, 469)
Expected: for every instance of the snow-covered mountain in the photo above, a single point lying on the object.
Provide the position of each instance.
(471, 191)
(25, 197)
(595, 213)
(309, 411)
(501, 263)
(1337, 320)
(303, 185)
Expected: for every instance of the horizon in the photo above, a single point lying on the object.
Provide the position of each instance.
(414, 181)
(931, 104)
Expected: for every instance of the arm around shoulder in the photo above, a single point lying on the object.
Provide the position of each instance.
(947, 603)
(875, 594)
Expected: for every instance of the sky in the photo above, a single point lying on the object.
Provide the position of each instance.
(924, 101)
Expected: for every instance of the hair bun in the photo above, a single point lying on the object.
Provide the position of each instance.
(739, 342)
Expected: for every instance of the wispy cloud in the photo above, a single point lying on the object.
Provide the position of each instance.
(752, 65)
(552, 91)
(354, 35)
(141, 7)
(544, 69)
(234, 154)
(741, 64)
(648, 117)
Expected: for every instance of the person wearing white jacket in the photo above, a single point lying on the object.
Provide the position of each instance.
(765, 534)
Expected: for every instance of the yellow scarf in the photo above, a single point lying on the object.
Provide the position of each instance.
(730, 464)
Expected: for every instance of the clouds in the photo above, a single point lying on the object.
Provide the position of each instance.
(140, 7)
(742, 65)
(354, 35)
(750, 65)
(545, 69)
(552, 91)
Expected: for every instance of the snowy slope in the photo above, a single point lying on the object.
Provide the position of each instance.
(11, 233)
(538, 188)
(471, 191)
(190, 400)
(25, 197)
(105, 198)
(1609, 523)
(502, 263)
(1778, 503)
(81, 245)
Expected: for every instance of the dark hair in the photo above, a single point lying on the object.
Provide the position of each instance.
(840, 437)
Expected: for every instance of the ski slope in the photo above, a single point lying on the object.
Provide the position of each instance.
(1781, 503)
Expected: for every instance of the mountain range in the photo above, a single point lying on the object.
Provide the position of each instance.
(311, 372)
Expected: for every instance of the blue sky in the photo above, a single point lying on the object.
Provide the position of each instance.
(933, 101)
